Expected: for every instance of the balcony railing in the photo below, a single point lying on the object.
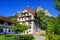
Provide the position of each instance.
(2, 25)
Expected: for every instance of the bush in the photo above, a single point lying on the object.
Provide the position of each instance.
(26, 37)
(56, 37)
(29, 37)
(16, 37)
(53, 37)
(7, 37)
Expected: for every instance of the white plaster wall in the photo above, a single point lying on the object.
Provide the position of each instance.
(26, 23)
(4, 29)
(18, 19)
(7, 30)
(32, 27)
(19, 15)
(26, 18)
(32, 17)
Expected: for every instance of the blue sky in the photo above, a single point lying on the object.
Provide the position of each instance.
(10, 7)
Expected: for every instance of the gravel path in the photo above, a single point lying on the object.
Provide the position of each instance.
(38, 37)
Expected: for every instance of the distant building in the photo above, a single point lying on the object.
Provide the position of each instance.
(6, 25)
(30, 18)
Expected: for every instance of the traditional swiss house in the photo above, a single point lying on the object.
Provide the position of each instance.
(6, 25)
(30, 18)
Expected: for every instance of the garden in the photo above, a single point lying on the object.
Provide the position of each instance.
(18, 34)
(17, 37)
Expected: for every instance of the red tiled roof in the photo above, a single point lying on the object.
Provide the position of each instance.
(32, 11)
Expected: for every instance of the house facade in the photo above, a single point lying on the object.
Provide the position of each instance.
(30, 18)
(6, 26)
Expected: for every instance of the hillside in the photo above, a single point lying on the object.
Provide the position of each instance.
(12, 17)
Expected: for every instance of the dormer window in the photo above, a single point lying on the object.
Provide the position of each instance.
(26, 14)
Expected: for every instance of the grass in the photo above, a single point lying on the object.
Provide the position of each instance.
(51, 37)
(6, 37)
(43, 35)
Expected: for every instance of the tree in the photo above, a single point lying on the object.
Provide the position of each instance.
(20, 27)
(57, 25)
(57, 4)
(50, 25)
(47, 22)
(42, 18)
(57, 22)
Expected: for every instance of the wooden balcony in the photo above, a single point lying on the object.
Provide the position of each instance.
(2, 25)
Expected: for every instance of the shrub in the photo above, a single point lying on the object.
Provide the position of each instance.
(56, 37)
(29, 37)
(53, 37)
(6, 37)
(9, 35)
(26, 37)
(16, 37)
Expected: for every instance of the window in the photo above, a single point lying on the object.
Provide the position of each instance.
(22, 18)
(9, 30)
(29, 30)
(29, 27)
(29, 22)
(22, 14)
(9, 23)
(12, 30)
(28, 14)
(1, 30)
(29, 18)
(25, 18)
(5, 23)
(1, 22)
(23, 22)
